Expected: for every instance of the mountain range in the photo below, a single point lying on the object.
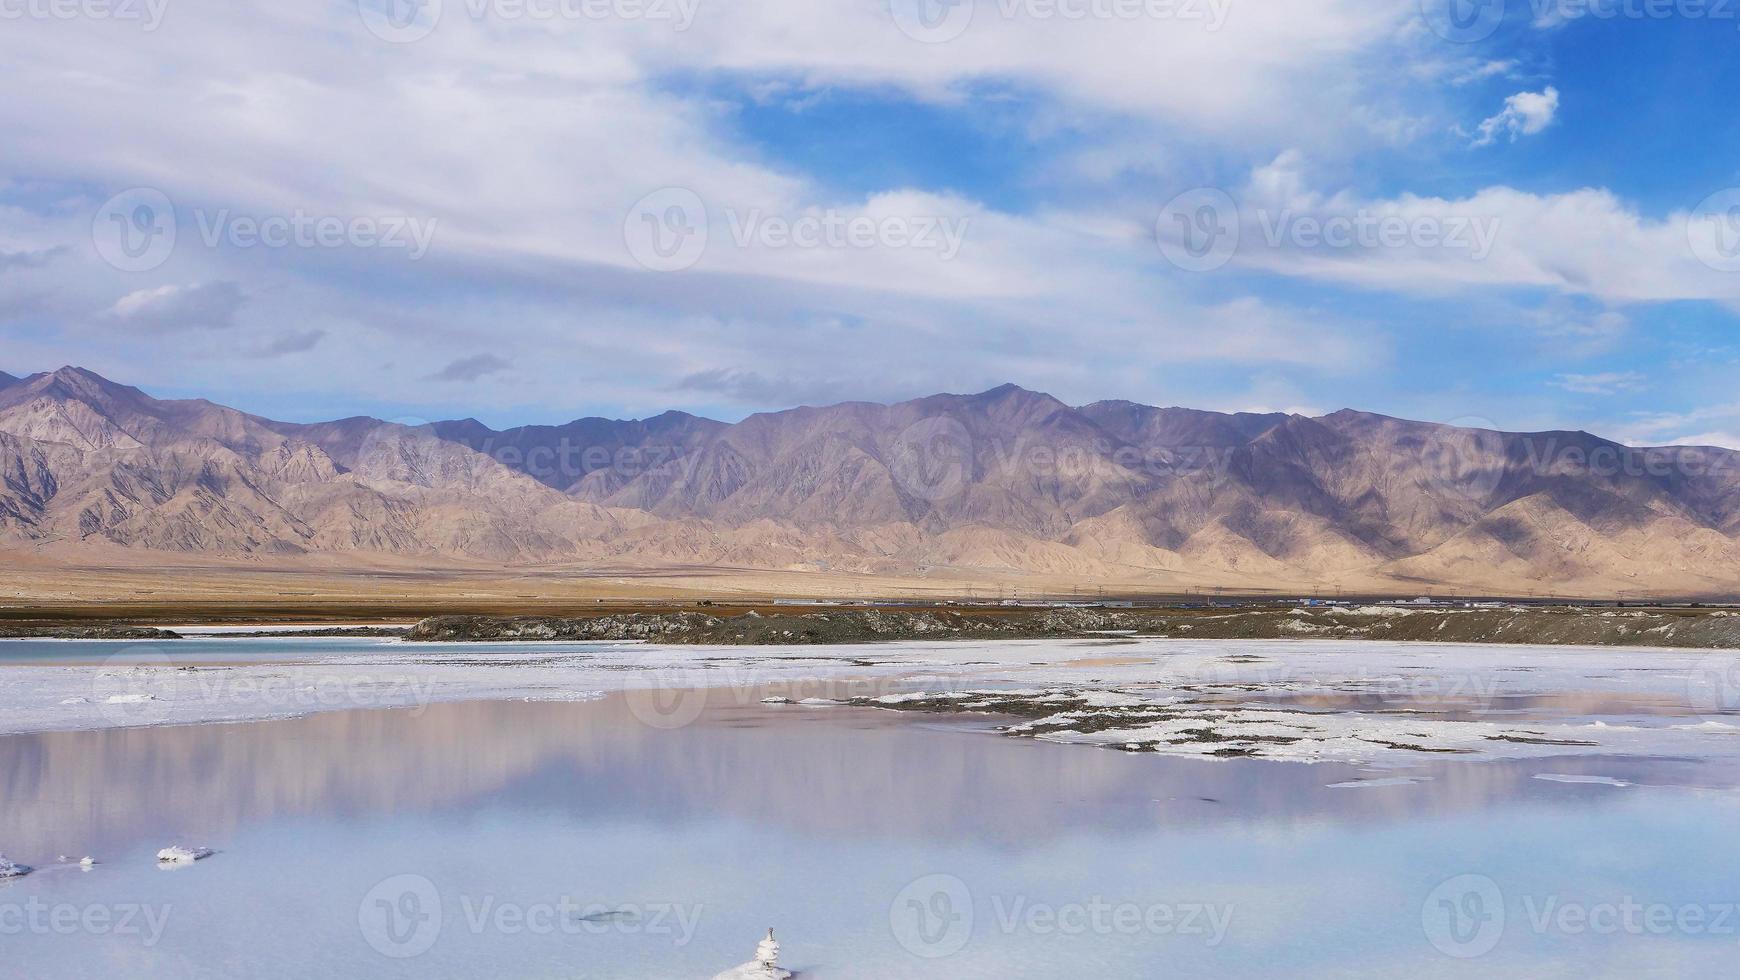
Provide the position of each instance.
(1008, 484)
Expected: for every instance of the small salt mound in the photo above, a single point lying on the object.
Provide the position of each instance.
(183, 855)
(11, 870)
(765, 966)
(753, 971)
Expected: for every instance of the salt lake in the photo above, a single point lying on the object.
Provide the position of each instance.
(608, 828)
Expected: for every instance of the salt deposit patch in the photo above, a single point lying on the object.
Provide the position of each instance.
(574, 696)
(181, 854)
(1554, 777)
(1138, 722)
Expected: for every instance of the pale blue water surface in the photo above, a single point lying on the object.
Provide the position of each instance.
(499, 839)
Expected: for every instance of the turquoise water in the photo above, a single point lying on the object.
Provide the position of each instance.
(193, 651)
(569, 840)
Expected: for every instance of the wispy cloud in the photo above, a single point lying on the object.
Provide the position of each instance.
(200, 306)
(1711, 425)
(1607, 383)
(32, 259)
(471, 368)
(293, 342)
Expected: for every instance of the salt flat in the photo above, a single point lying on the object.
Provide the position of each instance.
(1308, 701)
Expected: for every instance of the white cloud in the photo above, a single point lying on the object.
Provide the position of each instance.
(1464, 71)
(1586, 243)
(1525, 114)
(192, 307)
(1721, 440)
(1712, 425)
(529, 142)
(1605, 383)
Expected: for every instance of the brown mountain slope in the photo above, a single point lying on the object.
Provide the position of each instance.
(1008, 458)
(1006, 483)
(90, 460)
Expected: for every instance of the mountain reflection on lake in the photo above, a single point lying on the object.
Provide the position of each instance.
(820, 821)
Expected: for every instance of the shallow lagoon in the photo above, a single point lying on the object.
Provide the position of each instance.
(573, 840)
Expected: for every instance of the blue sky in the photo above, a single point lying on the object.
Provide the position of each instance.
(487, 213)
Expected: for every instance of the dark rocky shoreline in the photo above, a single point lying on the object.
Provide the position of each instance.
(1554, 626)
(83, 631)
(1571, 626)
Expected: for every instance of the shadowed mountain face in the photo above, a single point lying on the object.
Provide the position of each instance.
(7, 379)
(561, 456)
(1008, 481)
